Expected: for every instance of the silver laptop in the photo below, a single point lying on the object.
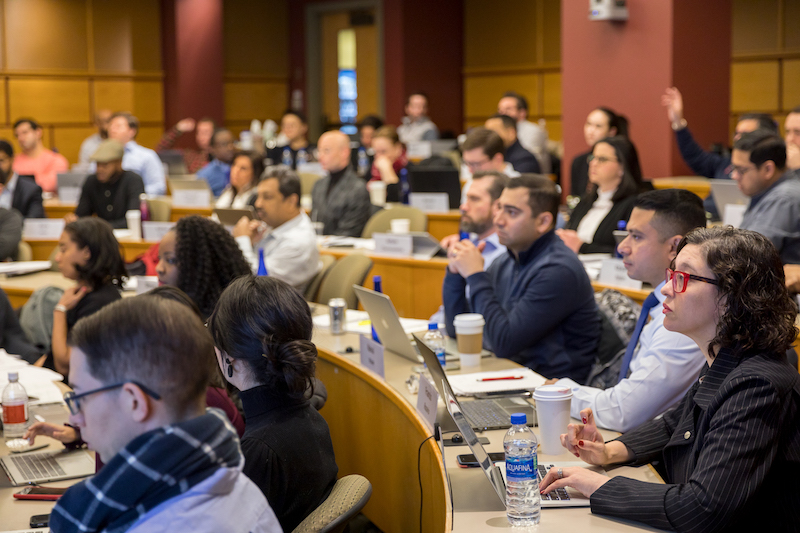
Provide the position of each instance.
(230, 216)
(43, 467)
(387, 325)
(69, 186)
(424, 245)
(727, 192)
(174, 161)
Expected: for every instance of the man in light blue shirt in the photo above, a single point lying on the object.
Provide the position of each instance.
(218, 172)
(123, 128)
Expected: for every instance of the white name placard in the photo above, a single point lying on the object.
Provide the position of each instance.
(734, 213)
(427, 399)
(371, 354)
(145, 284)
(42, 228)
(191, 198)
(154, 231)
(612, 272)
(69, 195)
(430, 202)
(419, 150)
(391, 244)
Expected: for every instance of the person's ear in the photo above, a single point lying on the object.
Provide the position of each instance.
(674, 241)
(544, 222)
(85, 254)
(136, 402)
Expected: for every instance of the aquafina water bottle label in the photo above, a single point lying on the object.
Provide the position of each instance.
(521, 468)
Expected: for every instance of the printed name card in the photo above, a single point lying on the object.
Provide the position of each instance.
(430, 202)
(145, 284)
(391, 244)
(371, 355)
(427, 399)
(419, 150)
(154, 231)
(69, 195)
(191, 198)
(612, 272)
(734, 213)
(42, 228)
(310, 168)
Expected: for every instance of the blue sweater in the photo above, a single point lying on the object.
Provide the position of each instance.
(708, 164)
(539, 309)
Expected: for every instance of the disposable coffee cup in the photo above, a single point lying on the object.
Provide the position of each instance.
(401, 226)
(377, 192)
(134, 219)
(552, 412)
(469, 336)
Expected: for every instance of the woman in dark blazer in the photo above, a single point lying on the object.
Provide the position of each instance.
(730, 451)
(613, 172)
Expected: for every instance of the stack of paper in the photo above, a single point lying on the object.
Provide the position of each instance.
(38, 382)
(17, 268)
(358, 322)
(498, 381)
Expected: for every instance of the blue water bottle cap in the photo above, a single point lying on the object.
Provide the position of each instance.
(621, 225)
(433, 325)
(463, 235)
(519, 419)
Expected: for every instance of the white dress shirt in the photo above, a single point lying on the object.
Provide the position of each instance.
(227, 200)
(663, 368)
(588, 225)
(146, 163)
(290, 251)
(88, 147)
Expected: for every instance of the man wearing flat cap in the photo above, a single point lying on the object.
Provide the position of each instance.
(110, 191)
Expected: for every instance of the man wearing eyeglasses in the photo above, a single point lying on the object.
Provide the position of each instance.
(483, 151)
(759, 168)
(658, 366)
(139, 402)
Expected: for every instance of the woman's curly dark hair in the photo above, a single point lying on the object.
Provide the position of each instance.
(106, 265)
(208, 260)
(759, 313)
(266, 323)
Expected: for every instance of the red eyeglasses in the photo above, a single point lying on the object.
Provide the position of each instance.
(681, 279)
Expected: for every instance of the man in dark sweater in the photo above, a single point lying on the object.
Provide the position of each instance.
(111, 191)
(537, 300)
(522, 160)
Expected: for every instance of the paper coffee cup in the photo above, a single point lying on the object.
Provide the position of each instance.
(552, 412)
(134, 219)
(401, 226)
(377, 192)
(469, 336)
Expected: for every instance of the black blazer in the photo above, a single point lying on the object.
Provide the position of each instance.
(579, 174)
(27, 198)
(730, 452)
(603, 241)
(12, 338)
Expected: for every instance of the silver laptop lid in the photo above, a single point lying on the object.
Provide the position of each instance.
(386, 322)
(230, 216)
(24, 468)
(727, 192)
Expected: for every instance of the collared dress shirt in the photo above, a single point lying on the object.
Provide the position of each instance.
(146, 163)
(775, 213)
(217, 174)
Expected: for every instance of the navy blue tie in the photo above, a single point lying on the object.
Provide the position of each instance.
(648, 304)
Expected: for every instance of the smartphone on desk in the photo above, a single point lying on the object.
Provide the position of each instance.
(468, 460)
(40, 493)
(40, 520)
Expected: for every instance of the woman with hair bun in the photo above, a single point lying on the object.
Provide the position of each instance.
(262, 330)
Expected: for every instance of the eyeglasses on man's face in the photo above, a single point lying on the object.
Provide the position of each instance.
(73, 400)
(680, 280)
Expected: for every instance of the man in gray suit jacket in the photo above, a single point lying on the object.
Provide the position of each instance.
(339, 200)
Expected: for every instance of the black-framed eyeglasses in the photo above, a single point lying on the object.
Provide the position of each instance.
(600, 159)
(681, 279)
(73, 400)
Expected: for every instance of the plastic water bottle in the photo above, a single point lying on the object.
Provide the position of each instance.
(523, 501)
(435, 341)
(619, 235)
(287, 157)
(15, 408)
(262, 266)
(363, 161)
(143, 207)
(377, 286)
(405, 187)
(302, 156)
(463, 235)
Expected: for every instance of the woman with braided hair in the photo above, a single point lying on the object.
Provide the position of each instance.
(262, 331)
(201, 258)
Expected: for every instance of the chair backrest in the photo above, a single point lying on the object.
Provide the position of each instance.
(349, 495)
(160, 210)
(307, 181)
(311, 291)
(381, 222)
(350, 270)
(24, 251)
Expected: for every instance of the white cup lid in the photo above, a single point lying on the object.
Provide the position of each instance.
(552, 392)
(469, 319)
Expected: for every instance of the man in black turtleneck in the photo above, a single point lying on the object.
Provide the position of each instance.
(339, 200)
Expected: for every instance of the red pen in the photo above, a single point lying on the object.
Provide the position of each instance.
(501, 379)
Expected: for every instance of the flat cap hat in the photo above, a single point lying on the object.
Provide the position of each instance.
(109, 150)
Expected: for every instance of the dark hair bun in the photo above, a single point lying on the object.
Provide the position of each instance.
(295, 361)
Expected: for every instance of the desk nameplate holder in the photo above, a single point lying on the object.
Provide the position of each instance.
(42, 228)
(613, 273)
(154, 231)
(427, 400)
(372, 355)
(393, 244)
(430, 202)
(191, 198)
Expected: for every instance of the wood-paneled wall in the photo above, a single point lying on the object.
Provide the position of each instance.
(61, 60)
(513, 46)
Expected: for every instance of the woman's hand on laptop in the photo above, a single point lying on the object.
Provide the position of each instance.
(579, 478)
(61, 433)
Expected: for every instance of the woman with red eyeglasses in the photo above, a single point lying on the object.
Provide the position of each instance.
(730, 451)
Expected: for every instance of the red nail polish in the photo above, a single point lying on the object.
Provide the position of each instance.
(577, 454)
(580, 443)
(585, 420)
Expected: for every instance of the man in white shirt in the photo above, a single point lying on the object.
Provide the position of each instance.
(289, 241)
(531, 136)
(416, 125)
(666, 363)
(90, 145)
(123, 128)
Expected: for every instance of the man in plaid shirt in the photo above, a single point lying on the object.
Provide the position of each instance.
(195, 159)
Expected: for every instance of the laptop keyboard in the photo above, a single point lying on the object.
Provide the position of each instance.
(34, 467)
(486, 414)
(558, 494)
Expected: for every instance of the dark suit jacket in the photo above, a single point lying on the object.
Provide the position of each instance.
(730, 451)
(603, 242)
(579, 174)
(346, 209)
(10, 233)
(27, 198)
(12, 338)
(521, 159)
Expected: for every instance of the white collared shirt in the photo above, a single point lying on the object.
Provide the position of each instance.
(588, 225)
(7, 196)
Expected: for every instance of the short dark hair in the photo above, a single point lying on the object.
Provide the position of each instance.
(265, 322)
(486, 139)
(256, 162)
(763, 146)
(508, 122)
(32, 123)
(217, 131)
(153, 341)
(676, 211)
(765, 121)
(132, 121)
(372, 121)
(288, 180)
(543, 195)
(499, 182)
(105, 265)
(751, 284)
(387, 131)
(168, 292)
(616, 120)
(794, 110)
(6, 148)
(298, 114)
(522, 102)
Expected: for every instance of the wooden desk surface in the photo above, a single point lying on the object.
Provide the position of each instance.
(53, 208)
(696, 184)
(42, 248)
